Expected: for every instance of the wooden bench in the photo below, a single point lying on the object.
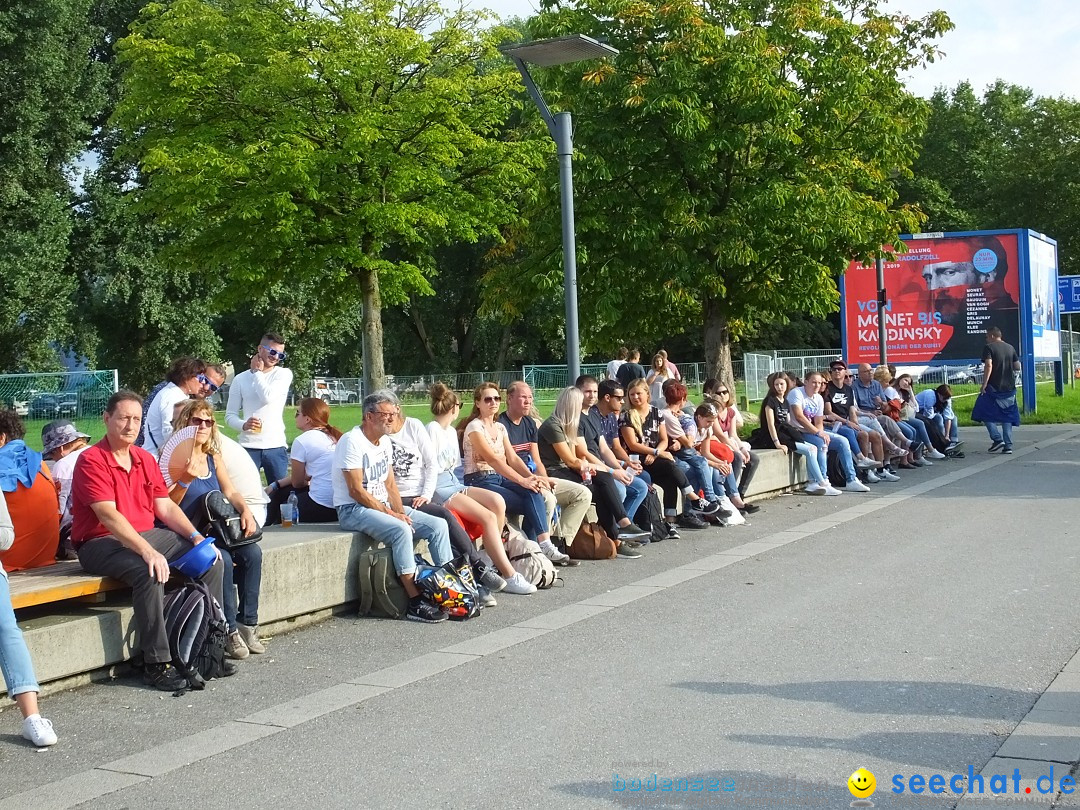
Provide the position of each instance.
(55, 583)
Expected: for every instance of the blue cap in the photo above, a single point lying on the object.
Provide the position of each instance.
(196, 562)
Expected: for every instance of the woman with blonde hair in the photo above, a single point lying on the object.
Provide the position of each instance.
(657, 376)
(311, 457)
(205, 473)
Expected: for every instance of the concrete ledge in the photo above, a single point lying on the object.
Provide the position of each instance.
(306, 570)
(777, 473)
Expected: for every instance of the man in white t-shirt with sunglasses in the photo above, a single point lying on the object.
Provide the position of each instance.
(257, 400)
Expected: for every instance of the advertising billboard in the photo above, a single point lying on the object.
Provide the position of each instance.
(1043, 297)
(942, 296)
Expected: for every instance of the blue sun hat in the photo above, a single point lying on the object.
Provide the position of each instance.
(196, 562)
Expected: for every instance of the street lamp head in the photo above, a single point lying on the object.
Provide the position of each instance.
(559, 51)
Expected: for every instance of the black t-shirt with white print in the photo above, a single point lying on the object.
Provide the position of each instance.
(840, 399)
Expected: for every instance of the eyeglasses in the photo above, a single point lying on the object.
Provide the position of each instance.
(274, 353)
(492, 400)
(384, 414)
(208, 383)
(194, 420)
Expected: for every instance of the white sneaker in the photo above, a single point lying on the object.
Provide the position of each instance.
(872, 477)
(519, 585)
(855, 485)
(814, 488)
(831, 490)
(865, 463)
(554, 554)
(888, 475)
(935, 454)
(39, 731)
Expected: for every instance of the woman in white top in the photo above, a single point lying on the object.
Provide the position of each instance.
(657, 376)
(312, 457)
(416, 471)
(491, 464)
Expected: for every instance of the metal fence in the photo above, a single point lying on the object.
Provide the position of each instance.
(759, 365)
(46, 396)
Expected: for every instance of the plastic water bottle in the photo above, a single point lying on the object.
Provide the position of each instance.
(290, 515)
(586, 475)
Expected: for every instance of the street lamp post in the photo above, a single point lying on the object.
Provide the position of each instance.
(547, 53)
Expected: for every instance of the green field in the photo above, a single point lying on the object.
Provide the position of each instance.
(1051, 410)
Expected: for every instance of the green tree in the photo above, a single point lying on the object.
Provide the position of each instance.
(49, 90)
(734, 156)
(334, 146)
(1008, 160)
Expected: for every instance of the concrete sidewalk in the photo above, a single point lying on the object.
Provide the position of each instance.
(908, 631)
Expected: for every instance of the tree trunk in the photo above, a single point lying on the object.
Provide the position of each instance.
(718, 342)
(420, 330)
(504, 348)
(374, 370)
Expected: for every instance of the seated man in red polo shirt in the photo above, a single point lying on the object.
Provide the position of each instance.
(116, 493)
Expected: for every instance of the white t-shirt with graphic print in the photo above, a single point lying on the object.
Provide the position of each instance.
(355, 452)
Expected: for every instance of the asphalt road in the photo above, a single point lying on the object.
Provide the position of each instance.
(907, 631)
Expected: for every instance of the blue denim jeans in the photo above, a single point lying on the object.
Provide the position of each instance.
(398, 535)
(813, 471)
(822, 459)
(846, 462)
(697, 470)
(633, 494)
(243, 569)
(848, 434)
(921, 434)
(14, 657)
(1000, 432)
(274, 461)
(519, 501)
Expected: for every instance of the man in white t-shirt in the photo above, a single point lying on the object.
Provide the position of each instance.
(257, 399)
(620, 358)
(367, 500)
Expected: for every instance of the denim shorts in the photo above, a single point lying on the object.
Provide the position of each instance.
(446, 488)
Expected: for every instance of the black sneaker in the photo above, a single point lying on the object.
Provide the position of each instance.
(164, 677)
(631, 531)
(626, 552)
(688, 520)
(228, 669)
(421, 611)
(706, 507)
(672, 532)
(750, 509)
(995, 446)
(1007, 451)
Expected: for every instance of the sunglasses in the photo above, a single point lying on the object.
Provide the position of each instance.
(492, 400)
(274, 353)
(194, 420)
(208, 383)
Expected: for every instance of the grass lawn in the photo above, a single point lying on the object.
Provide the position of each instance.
(1051, 410)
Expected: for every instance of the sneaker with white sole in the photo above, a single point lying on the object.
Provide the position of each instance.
(631, 531)
(557, 557)
(673, 532)
(706, 507)
(872, 477)
(935, 454)
(922, 462)
(814, 488)
(855, 485)
(39, 731)
(865, 463)
(519, 585)
(491, 580)
(487, 599)
(831, 490)
(250, 635)
(422, 611)
(625, 551)
(997, 445)
(888, 475)
(235, 646)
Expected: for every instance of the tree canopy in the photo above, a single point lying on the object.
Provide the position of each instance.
(734, 156)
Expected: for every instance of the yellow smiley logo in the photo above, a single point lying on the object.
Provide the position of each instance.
(862, 784)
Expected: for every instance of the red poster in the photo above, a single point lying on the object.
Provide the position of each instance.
(943, 294)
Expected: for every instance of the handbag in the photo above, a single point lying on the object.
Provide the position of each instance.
(221, 521)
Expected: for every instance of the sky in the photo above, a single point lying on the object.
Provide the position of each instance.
(1032, 43)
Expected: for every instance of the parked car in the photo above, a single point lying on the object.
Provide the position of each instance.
(333, 391)
(45, 406)
(68, 404)
(92, 402)
(20, 403)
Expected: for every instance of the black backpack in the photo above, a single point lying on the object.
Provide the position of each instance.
(835, 470)
(195, 626)
(650, 515)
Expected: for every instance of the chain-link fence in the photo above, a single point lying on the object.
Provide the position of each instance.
(76, 395)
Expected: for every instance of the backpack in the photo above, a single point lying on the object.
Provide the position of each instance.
(196, 629)
(528, 560)
(650, 515)
(381, 592)
(592, 543)
(450, 587)
(836, 471)
(141, 440)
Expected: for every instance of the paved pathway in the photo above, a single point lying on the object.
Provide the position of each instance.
(918, 630)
